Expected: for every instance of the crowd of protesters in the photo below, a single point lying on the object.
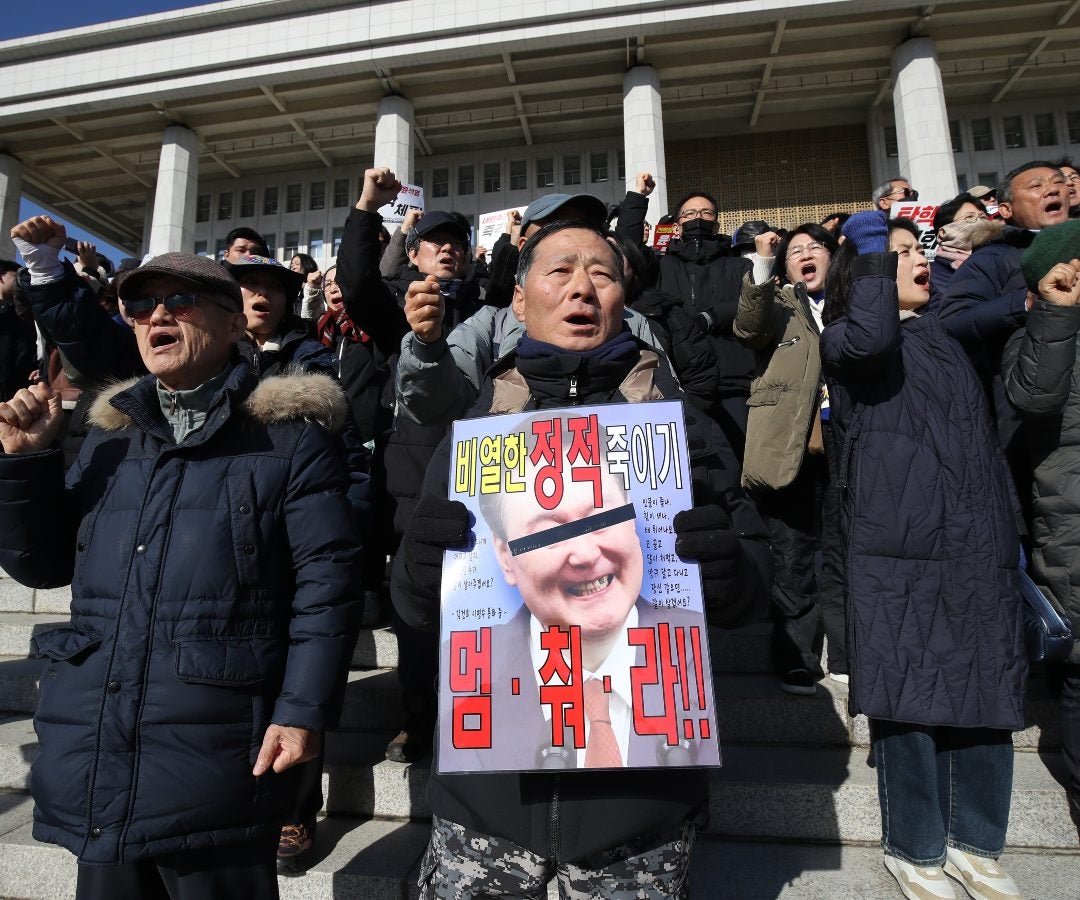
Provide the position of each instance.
(889, 445)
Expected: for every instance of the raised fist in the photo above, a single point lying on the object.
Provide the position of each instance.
(380, 187)
(1061, 285)
(424, 309)
(41, 230)
(645, 183)
(30, 420)
(765, 244)
(411, 218)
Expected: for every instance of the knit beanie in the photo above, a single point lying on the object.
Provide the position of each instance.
(1053, 245)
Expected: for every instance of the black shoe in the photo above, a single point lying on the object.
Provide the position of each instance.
(799, 681)
(294, 847)
(413, 742)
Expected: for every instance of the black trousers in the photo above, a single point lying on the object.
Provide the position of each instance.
(1064, 682)
(807, 597)
(230, 872)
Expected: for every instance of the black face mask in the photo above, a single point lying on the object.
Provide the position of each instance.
(698, 230)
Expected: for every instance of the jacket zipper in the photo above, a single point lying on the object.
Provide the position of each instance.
(573, 390)
(790, 343)
(555, 821)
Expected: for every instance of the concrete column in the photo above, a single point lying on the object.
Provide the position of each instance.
(394, 137)
(148, 224)
(173, 224)
(643, 135)
(922, 120)
(10, 195)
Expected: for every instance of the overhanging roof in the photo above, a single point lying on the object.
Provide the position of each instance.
(279, 85)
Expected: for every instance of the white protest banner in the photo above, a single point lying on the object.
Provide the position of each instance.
(922, 213)
(491, 226)
(409, 197)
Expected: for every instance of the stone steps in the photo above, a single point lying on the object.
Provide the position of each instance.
(375, 859)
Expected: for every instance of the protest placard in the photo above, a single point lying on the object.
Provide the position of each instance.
(662, 236)
(410, 196)
(922, 213)
(573, 636)
(491, 226)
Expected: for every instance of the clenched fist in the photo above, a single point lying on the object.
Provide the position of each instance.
(30, 420)
(380, 187)
(1061, 285)
(424, 309)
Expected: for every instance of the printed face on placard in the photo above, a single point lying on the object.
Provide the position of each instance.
(591, 581)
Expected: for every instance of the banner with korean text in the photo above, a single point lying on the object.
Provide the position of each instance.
(573, 636)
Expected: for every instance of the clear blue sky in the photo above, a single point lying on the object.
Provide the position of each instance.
(55, 15)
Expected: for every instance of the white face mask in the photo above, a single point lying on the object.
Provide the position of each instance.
(991, 209)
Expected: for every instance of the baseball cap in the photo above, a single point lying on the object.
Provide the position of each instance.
(291, 282)
(981, 190)
(451, 221)
(545, 207)
(195, 271)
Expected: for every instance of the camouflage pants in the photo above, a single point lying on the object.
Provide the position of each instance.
(461, 864)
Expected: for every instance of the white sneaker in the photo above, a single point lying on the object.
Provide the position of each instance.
(840, 677)
(920, 882)
(980, 876)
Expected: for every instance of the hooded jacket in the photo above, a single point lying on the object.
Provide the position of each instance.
(212, 588)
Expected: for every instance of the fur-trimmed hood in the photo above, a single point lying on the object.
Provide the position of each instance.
(970, 234)
(295, 395)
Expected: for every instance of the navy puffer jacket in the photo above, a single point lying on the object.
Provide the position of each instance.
(928, 519)
(211, 596)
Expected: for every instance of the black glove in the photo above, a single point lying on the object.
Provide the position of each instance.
(436, 524)
(704, 535)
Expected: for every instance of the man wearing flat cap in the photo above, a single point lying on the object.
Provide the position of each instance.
(210, 547)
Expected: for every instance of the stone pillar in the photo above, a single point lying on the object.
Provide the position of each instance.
(922, 120)
(10, 194)
(643, 135)
(172, 227)
(394, 137)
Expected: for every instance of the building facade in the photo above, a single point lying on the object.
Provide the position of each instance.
(167, 131)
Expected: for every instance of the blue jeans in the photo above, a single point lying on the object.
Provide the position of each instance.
(938, 786)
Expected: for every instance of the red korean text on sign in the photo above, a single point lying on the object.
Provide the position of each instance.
(585, 446)
(548, 450)
(664, 679)
(566, 700)
(470, 683)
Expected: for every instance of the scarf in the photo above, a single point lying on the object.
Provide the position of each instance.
(332, 324)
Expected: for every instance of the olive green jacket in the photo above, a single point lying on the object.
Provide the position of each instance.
(776, 322)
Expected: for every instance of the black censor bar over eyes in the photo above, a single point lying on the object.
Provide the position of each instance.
(568, 530)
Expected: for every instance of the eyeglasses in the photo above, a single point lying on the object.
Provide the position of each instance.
(180, 305)
(971, 217)
(810, 247)
(905, 193)
(455, 244)
(1073, 179)
(709, 215)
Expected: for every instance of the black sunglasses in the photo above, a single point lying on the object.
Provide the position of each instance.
(180, 305)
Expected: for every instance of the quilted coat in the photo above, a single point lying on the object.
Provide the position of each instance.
(928, 519)
(210, 597)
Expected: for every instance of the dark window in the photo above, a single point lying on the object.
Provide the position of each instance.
(598, 167)
(270, 201)
(292, 245)
(1013, 126)
(571, 169)
(200, 248)
(956, 136)
(341, 192)
(202, 208)
(961, 183)
(466, 180)
(318, 195)
(294, 197)
(620, 160)
(337, 234)
(271, 244)
(219, 249)
(545, 173)
(247, 203)
(990, 179)
(1072, 121)
(1046, 133)
(892, 148)
(519, 175)
(224, 205)
(982, 136)
(315, 243)
(492, 177)
(440, 182)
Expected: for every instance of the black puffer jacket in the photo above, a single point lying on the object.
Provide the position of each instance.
(573, 816)
(1041, 372)
(211, 586)
(928, 519)
(707, 278)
